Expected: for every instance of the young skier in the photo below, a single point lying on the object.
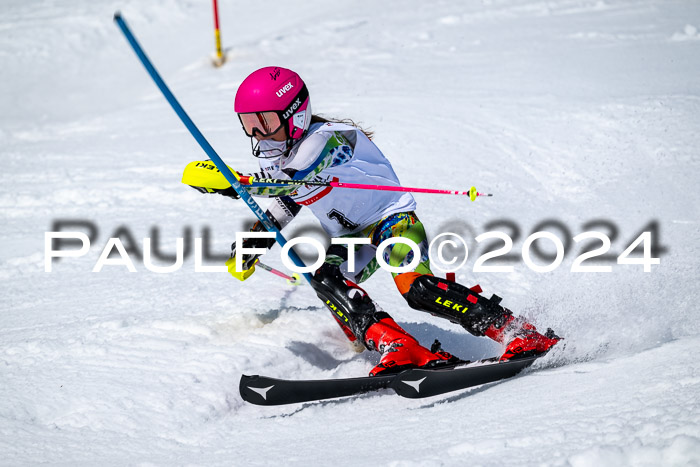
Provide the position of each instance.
(274, 109)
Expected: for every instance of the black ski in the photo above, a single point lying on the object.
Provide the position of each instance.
(417, 383)
(262, 390)
(414, 383)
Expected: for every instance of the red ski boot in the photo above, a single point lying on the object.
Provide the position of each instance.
(524, 341)
(400, 350)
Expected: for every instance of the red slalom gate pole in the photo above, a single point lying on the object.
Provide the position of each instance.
(220, 58)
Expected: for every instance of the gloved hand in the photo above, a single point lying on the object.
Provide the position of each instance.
(204, 177)
(248, 261)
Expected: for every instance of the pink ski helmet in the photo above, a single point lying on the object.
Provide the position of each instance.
(271, 98)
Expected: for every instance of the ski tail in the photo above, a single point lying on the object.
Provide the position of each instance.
(261, 390)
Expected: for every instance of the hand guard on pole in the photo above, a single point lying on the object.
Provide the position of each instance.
(248, 261)
(240, 275)
(204, 177)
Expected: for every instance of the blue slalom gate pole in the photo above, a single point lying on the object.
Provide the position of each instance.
(223, 168)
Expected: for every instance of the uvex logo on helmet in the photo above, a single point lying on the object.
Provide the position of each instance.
(287, 113)
(286, 88)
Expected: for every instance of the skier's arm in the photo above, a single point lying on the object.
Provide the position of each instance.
(206, 178)
(316, 153)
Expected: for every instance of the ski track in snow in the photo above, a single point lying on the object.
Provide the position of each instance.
(575, 111)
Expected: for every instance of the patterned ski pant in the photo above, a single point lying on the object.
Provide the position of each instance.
(403, 224)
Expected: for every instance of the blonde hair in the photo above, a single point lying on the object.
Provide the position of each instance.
(318, 119)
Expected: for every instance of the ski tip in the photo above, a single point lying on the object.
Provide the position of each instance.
(117, 15)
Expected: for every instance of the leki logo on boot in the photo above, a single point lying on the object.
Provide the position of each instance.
(335, 309)
(450, 304)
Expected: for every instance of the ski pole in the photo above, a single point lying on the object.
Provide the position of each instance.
(246, 180)
(230, 176)
(294, 279)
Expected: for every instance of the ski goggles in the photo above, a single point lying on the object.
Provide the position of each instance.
(263, 124)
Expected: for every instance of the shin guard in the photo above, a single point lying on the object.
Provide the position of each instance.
(452, 301)
(350, 305)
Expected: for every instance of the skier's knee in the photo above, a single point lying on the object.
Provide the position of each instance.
(404, 282)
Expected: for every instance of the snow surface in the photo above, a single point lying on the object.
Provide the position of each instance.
(574, 111)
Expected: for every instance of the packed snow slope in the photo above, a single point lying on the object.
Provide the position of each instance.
(581, 113)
